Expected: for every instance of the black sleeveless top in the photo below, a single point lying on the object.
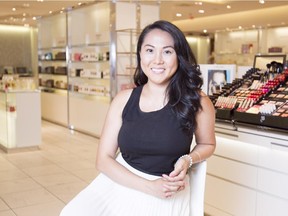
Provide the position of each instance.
(151, 141)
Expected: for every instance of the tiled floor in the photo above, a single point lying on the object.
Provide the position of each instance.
(39, 183)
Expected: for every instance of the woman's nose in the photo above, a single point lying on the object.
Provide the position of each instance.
(159, 58)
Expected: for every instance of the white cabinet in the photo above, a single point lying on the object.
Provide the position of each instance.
(268, 205)
(54, 107)
(248, 173)
(225, 197)
(20, 120)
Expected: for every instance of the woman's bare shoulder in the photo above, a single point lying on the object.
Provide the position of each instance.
(205, 100)
(122, 97)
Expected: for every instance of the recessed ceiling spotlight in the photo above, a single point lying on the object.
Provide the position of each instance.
(198, 3)
(79, 3)
(253, 26)
(24, 14)
(50, 12)
(228, 6)
(34, 18)
(240, 27)
(61, 12)
(201, 11)
(13, 9)
(205, 31)
(262, 1)
(178, 15)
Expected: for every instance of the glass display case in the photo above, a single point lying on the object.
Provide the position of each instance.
(52, 68)
(89, 89)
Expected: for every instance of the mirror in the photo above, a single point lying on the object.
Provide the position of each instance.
(261, 61)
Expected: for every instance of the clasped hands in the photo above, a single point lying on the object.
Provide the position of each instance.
(171, 184)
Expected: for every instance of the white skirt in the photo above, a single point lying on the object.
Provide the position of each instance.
(104, 197)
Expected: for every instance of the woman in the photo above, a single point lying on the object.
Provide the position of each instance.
(152, 125)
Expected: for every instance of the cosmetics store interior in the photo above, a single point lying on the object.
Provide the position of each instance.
(62, 62)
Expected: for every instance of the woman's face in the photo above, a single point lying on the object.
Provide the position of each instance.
(158, 57)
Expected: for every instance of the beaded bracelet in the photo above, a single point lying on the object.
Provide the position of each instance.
(189, 157)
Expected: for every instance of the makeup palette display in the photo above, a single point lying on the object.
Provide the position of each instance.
(259, 98)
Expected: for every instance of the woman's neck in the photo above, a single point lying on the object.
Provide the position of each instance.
(154, 95)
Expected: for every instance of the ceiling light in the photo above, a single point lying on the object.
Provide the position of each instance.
(12, 28)
(228, 6)
(178, 15)
(34, 18)
(261, 1)
(201, 11)
(205, 30)
(240, 27)
(50, 12)
(13, 9)
(26, 5)
(24, 14)
(198, 3)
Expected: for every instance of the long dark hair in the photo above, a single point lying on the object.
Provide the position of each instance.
(184, 88)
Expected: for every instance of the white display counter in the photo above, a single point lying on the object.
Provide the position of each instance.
(20, 120)
(248, 173)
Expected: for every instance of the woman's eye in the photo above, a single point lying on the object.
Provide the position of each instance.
(168, 52)
(149, 50)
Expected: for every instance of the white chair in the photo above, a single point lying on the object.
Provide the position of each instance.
(197, 176)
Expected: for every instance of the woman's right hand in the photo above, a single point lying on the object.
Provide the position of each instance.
(163, 189)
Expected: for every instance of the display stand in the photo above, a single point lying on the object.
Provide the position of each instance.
(20, 120)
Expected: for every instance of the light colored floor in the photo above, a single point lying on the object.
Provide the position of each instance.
(39, 183)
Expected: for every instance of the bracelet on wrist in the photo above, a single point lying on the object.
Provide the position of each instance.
(189, 157)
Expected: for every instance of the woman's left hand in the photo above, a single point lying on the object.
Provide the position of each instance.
(178, 174)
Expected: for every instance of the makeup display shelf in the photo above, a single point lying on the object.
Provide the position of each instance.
(260, 98)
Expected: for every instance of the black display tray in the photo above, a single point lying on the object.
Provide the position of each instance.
(262, 120)
(224, 113)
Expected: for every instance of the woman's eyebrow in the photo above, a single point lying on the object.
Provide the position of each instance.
(163, 47)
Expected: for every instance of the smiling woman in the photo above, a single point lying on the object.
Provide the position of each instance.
(158, 57)
(153, 126)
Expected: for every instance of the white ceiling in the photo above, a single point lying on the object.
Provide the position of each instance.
(215, 17)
